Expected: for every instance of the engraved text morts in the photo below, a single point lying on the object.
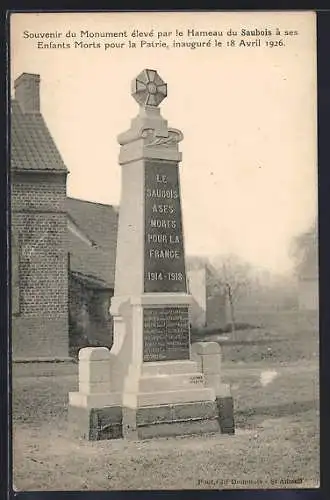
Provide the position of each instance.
(164, 252)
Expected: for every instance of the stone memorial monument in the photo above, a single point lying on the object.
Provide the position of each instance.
(151, 383)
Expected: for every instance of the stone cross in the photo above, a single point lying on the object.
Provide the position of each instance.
(148, 89)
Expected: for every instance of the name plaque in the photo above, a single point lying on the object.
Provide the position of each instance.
(164, 263)
(165, 333)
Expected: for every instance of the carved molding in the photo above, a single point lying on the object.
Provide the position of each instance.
(152, 140)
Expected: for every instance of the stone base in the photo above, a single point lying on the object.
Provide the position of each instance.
(96, 424)
(177, 419)
(148, 422)
(226, 414)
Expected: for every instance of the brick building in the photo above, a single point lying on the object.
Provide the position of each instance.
(63, 249)
(92, 237)
(39, 230)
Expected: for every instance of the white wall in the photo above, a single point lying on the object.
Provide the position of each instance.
(197, 288)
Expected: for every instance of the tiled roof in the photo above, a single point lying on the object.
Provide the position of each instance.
(96, 256)
(32, 146)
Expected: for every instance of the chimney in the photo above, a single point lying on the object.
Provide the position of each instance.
(27, 93)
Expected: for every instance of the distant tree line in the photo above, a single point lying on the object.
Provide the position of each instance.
(304, 252)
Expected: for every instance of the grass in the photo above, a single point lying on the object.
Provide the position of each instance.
(273, 338)
(276, 443)
(293, 391)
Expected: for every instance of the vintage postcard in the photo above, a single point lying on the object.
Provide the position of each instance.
(164, 251)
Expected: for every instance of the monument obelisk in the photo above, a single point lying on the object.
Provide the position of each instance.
(151, 352)
(150, 383)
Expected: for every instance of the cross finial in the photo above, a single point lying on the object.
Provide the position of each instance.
(148, 89)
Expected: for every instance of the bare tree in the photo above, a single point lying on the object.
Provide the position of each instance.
(235, 276)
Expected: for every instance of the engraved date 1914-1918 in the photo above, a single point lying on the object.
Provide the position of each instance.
(159, 276)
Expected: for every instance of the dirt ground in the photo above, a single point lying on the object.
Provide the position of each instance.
(276, 443)
(278, 453)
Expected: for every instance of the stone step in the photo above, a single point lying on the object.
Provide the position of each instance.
(179, 396)
(171, 382)
(169, 368)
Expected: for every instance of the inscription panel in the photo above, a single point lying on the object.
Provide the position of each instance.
(164, 264)
(165, 333)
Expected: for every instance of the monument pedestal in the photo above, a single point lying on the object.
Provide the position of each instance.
(148, 385)
(161, 399)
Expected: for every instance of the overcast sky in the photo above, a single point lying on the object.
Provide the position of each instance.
(248, 115)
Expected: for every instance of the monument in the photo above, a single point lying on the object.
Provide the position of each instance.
(151, 383)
